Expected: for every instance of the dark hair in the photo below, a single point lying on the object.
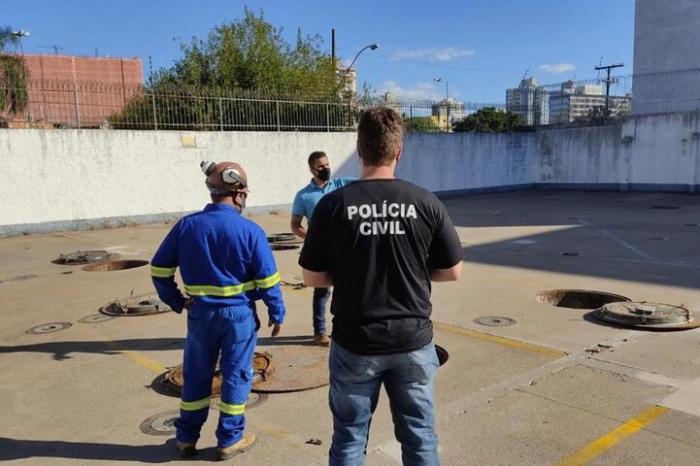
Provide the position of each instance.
(379, 136)
(319, 154)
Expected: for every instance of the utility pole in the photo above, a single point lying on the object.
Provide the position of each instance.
(608, 82)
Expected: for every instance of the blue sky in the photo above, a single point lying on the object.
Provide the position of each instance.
(479, 47)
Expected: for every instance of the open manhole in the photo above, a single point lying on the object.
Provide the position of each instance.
(262, 367)
(494, 321)
(109, 266)
(48, 328)
(96, 318)
(84, 257)
(578, 299)
(280, 237)
(442, 354)
(283, 247)
(644, 315)
(136, 306)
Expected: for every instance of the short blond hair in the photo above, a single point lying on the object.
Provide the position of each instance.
(379, 136)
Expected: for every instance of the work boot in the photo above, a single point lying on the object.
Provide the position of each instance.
(322, 340)
(242, 445)
(186, 450)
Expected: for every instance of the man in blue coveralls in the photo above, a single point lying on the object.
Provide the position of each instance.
(226, 263)
(304, 204)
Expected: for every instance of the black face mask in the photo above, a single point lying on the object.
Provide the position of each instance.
(324, 174)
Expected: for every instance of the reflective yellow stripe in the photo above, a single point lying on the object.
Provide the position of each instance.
(222, 291)
(195, 405)
(268, 282)
(162, 272)
(231, 409)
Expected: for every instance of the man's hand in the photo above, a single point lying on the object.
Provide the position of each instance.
(277, 328)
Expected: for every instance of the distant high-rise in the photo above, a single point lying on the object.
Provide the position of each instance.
(529, 101)
(574, 102)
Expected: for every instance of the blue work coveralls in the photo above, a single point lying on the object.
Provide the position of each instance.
(225, 263)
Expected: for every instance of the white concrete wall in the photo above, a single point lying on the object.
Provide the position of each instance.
(666, 38)
(648, 152)
(48, 178)
(468, 161)
(67, 179)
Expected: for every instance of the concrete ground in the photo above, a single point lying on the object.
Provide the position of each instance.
(554, 388)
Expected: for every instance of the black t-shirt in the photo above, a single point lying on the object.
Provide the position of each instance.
(379, 239)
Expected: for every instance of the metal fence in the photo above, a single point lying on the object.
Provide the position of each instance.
(67, 104)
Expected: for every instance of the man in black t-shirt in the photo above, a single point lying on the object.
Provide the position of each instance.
(380, 241)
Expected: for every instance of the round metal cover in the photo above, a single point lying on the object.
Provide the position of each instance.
(83, 257)
(161, 423)
(279, 237)
(48, 328)
(647, 315)
(495, 321)
(262, 367)
(136, 306)
(95, 318)
(297, 367)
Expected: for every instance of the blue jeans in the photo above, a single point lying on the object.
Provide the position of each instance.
(210, 331)
(355, 383)
(319, 306)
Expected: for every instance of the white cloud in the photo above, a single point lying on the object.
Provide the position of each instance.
(424, 90)
(436, 54)
(558, 68)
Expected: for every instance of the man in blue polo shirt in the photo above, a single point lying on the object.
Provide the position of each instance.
(304, 204)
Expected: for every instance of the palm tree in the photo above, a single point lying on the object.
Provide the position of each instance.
(13, 73)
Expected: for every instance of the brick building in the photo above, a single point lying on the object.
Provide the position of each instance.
(77, 91)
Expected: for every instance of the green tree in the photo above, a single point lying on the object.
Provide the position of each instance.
(420, 124)
(13, 74)
(246, 58)
(489, 120)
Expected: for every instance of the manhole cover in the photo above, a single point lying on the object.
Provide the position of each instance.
(495, 321)
(642, 315)
(262, 365)
(578, 299)
(136, 306)
(161, 424)
(294, 286)
(283, 247)
(83, 257)
(48, 328)
(280, 237)
(442, 354)
(297, 367)
(109, 266)
(96, 318)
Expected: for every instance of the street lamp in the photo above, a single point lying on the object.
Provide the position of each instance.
(370, 46)
(20, 35)
(447, 102)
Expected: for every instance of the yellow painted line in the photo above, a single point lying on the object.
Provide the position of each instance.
(509, 342)
(615, 436)
(143, 361)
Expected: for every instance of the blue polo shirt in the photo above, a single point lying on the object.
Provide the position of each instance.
(306, 199)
